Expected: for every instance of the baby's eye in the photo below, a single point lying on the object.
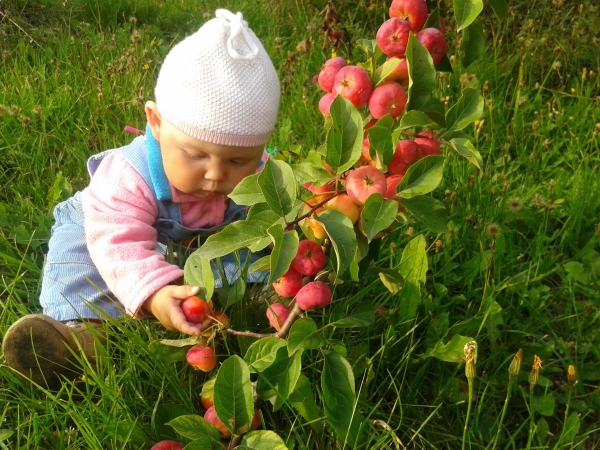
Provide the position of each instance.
(193, 155)
(238, 162)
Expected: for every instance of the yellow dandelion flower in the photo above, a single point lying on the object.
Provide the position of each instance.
(146, 66)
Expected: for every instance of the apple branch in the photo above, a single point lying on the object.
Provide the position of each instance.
(285, 328)
(313, 208)
(248, 333)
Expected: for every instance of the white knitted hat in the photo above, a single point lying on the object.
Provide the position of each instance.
(219, 85)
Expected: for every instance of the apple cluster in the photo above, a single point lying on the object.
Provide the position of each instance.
(309, 261)
(352, 82)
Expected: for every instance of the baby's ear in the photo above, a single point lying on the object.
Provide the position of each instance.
(153, 117)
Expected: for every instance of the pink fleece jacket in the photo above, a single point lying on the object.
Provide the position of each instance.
(119, 211)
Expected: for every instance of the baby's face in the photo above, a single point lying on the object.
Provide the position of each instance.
(201, 168)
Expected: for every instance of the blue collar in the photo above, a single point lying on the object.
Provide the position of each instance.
(157, 170)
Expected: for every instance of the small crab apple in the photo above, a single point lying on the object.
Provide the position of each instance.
(387, 98)
(344, 204)
(277, 313)
(335, 35)
(207, 395)
(363, 182)
(413, 11)
(329, 71)
(256, 420)
(392, 37)
(325, 103)
(434, 41)
(221, 318)
(399, 74)
(313, 295)
(405, 154)
(326, 188)
(195, 309)
(167, 445)
(201, 357)
(211, 417)
(316, 226)
(310, 258)
(392, 183)
(288, 284)
(353, 83)
(427, 143)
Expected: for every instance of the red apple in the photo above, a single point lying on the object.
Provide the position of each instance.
(325, 103)
(207, 395)
(222, 318)
(387, 98)
(329, 71)
(310, 258)
(195, 309)
(201, 357)
(413, 11)
(363, 182)
(366, 147)
(335, 35)
(427, 143)
(211, 417)
(326, 188)
(256, 420)
(314, 295)
(392, 183)
(353, 83)
(400, 73)
(392, 37)
(434, 41)
(289, 284)
(277, 313)
(405, 154)
(167, 445)
(344, 204)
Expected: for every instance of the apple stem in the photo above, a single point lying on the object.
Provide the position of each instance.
(318, 205)
(248, 333)
(285, 328)
(234, 442)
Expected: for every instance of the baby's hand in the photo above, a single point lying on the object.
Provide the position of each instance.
(165, 305)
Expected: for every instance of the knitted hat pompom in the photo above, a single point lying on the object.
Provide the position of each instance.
(219, 84)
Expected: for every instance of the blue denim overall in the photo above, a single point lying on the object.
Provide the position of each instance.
(72, 287)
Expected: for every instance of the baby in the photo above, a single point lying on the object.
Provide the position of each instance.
(217, 98)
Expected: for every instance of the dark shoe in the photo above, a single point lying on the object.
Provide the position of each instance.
(41, 348)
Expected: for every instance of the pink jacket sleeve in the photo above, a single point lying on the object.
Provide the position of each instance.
(119, 211)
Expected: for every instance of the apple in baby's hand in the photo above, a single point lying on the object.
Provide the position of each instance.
(353, 83)
(387, 98)
(277, 313)
(314, 295)
(329, 71)
(201, 357)
(167, 445)
(195, 309)
(434, 41)
(211, 417)
(392, 37)
(428, 144)
(309, 259)
(289, 284)
(207, 395)
(413, 11)
(363, 182)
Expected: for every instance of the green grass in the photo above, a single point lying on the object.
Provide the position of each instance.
(519, 269)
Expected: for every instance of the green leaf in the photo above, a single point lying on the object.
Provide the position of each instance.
(260, 264)
(284, 250)
(205, 443)
(345, 137)
(435, 110)
(473, 43)
(413, 264)
(428, 210)
(341, 232)
(413, 119)
(381, 148)
(467, 110)
(233, 394)
(571, 428)
(186, 342)
(306, 172)
(229, 295)
(238, 235)
(262, 353)
(248, 191)
(127, 431)
(337, 383)
(304, 335)
(278, 381)
(500, 8)
(303, 401)
(544, 404)
(197, 272)
(262, 440)
(193, 426)
(392, 280)
(422, 177)
(452, 352)
(377, 215)
(421, 73)
(466, 11)
(278, 185)
(5, 434)
(362, 316)
(166, 353)
(465, 148)
(384, 70)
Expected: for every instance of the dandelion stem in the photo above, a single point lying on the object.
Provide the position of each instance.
(531, 420)
(511, 382)
(468, 412)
